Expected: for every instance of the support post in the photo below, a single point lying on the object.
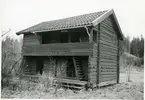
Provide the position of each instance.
(89, 34)
(98, 56)
(118, 68)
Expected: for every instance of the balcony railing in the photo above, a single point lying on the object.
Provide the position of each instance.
(58, 49)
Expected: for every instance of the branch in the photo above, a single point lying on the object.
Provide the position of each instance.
(6, 33)
(14, 65)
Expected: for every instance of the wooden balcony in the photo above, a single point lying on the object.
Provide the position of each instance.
(58, 49)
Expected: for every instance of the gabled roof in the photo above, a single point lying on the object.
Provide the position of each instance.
(71, 22)
(91, 19)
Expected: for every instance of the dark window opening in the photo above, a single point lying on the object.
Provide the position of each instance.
(39, 65)
(64, 37)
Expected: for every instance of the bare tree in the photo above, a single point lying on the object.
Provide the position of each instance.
(6, 32)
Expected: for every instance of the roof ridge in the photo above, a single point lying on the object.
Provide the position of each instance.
(75, 16)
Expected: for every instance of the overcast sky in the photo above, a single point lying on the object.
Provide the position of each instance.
(21, 14)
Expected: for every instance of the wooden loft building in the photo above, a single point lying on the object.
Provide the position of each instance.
(88, 44)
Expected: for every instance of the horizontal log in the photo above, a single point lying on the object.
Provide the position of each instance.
(108, 26)
(70, 81)
(30, 40)
(108, 44)
(93, 73)
(106, 34)
(108, 76)
(108, 51)
(109, 29)
(107, 57)
(108, 67)
(108, 73)
(91, 70)
(108, 79)
(107, 64)
(108, 70)
(107, 83)
(108, 60)
(108, 54)
(111, 41)
(108, 21)
(58, 49)
(108, 47)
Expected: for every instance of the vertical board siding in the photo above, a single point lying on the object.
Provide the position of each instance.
(108, 51)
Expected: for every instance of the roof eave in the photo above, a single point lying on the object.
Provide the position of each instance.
(18, 33)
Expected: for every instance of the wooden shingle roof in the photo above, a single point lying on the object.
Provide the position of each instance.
(91, 19)
(66, 23)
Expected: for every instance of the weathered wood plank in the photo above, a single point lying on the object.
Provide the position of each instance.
(107, 57)
(108, 70)
(108, 76)
(108, 60)
(30, 40)
(118, 68)
(67, 49)
(109, 40)
(109, 51)
(107, 47)
(108, 79)
(109, 67)
(70, 81)
(106, 27)
(108, 73)
(107, 64)
(109, 44)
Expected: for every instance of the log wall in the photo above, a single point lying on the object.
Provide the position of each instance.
(92, 68)
(31, 39)
(108, 51)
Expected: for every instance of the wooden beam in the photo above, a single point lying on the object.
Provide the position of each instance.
(67, 49)
(98, 55)
(74, 63)
(118, 68)
(102, 17)
(69, 38)
(87, 29)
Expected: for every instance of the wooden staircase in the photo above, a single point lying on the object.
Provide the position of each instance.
(78, 68)
(72, 84)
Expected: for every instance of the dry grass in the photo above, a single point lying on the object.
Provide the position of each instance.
(130, 91)
(125, 90)
(45, 89)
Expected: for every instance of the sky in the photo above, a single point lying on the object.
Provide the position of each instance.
(20, 14)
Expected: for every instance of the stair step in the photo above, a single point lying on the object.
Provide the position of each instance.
(78, 65)
(70, 81)
(76, 87)
(80, 74)
(79, 71)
